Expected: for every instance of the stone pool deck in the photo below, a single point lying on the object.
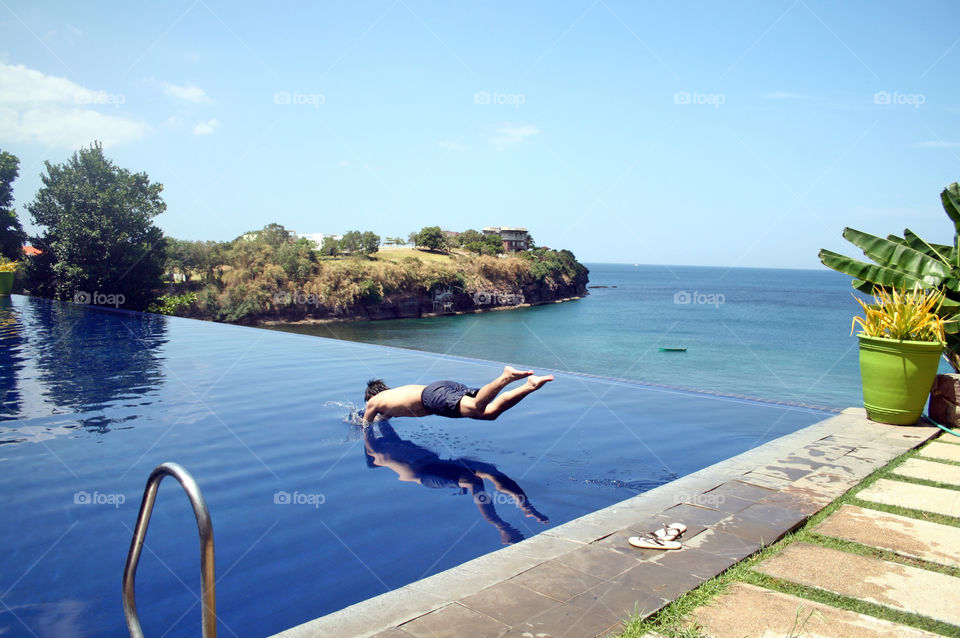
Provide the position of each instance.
(582, 578)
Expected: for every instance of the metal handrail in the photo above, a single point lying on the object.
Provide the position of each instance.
(204, 525)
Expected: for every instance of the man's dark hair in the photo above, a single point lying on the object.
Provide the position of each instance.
(374, 387)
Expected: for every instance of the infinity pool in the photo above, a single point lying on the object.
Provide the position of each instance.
(305, 520)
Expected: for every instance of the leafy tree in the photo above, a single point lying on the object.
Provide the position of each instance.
(412, 238)
(369, 243)
(330, 247)
(12, 237)
(530, 243)
(432, 238)
(275, 235)
(492, 245)
(351, 241)
(98, 235)
(297, 260)
(470, 236)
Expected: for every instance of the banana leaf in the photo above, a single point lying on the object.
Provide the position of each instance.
(939, 252)
(950, 196)
(896, 256)
(872, 274)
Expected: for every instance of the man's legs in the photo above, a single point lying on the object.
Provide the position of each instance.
(474, 406)
(492, 409)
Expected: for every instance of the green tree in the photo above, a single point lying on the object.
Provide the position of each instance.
(12, 237)
(330, 247)
(492, 245)
(432, 238)
(275, 235)
(351, 241)
(470, 236)
(369, 242)
(98, 235)
(412, 238)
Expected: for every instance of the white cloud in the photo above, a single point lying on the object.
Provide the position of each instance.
(187, 93)
(206, 128)
(937, 144)
(35, 107)
(511, 134)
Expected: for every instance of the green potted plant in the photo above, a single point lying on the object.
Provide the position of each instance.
(7, 270)
(901, 340)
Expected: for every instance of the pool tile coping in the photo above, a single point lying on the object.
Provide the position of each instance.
(733, 509)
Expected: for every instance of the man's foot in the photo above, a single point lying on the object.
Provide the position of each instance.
(513, 374)
(536, 382)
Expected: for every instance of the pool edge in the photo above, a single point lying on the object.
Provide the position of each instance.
(870, 446)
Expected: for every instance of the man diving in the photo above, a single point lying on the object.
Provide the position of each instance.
(449, 398)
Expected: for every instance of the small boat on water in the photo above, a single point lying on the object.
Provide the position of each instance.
(665, 349)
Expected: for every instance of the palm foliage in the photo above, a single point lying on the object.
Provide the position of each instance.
(908, 262)
(903, 315)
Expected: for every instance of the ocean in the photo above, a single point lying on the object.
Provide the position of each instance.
(773, 334)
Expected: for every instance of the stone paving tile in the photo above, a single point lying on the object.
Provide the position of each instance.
(582, 617)
(619, 602)
(746, 611)
(906, 536)
(693, 561)
(658, 580)
(395, 632)
(913, 496)
(719, 543)
(759, 519)
(596, 561)
(693, 516)
(794, 501)
(556, 580)
(943, 451)
(821, 488)
(741, 490)
(780, 471)
(765, 480)
(884, 583)
(508, 602)
(930, 471)
(454, 621)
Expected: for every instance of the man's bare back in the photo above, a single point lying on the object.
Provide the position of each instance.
(449, 398)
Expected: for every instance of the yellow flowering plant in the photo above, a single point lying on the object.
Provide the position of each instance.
(904, 315)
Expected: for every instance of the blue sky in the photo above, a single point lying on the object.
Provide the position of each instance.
(729, 134)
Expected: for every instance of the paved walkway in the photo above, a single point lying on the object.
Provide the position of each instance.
(583, 579)
(917, 588)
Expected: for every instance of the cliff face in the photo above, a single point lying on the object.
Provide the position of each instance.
(448, 301)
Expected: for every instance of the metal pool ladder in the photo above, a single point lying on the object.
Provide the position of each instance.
(204, 525)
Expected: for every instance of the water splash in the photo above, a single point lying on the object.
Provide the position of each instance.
(353, 416)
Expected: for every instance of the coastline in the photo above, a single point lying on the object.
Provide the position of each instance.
(474, 311)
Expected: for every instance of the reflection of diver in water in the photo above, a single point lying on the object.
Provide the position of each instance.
(416, 464)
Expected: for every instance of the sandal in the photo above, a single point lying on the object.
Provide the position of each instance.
(652, 541)
(671, 531)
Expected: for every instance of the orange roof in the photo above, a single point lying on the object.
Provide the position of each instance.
(30, 250)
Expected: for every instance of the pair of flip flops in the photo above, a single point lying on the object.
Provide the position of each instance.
(663, 538)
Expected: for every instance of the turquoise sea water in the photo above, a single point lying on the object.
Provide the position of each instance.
(765, 333)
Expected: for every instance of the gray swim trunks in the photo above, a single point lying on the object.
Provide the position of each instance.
(443, 398)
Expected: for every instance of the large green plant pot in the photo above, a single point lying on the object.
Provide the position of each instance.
(6, 282)
(897, 377)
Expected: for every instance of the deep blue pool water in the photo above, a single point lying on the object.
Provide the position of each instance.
(305, 523)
